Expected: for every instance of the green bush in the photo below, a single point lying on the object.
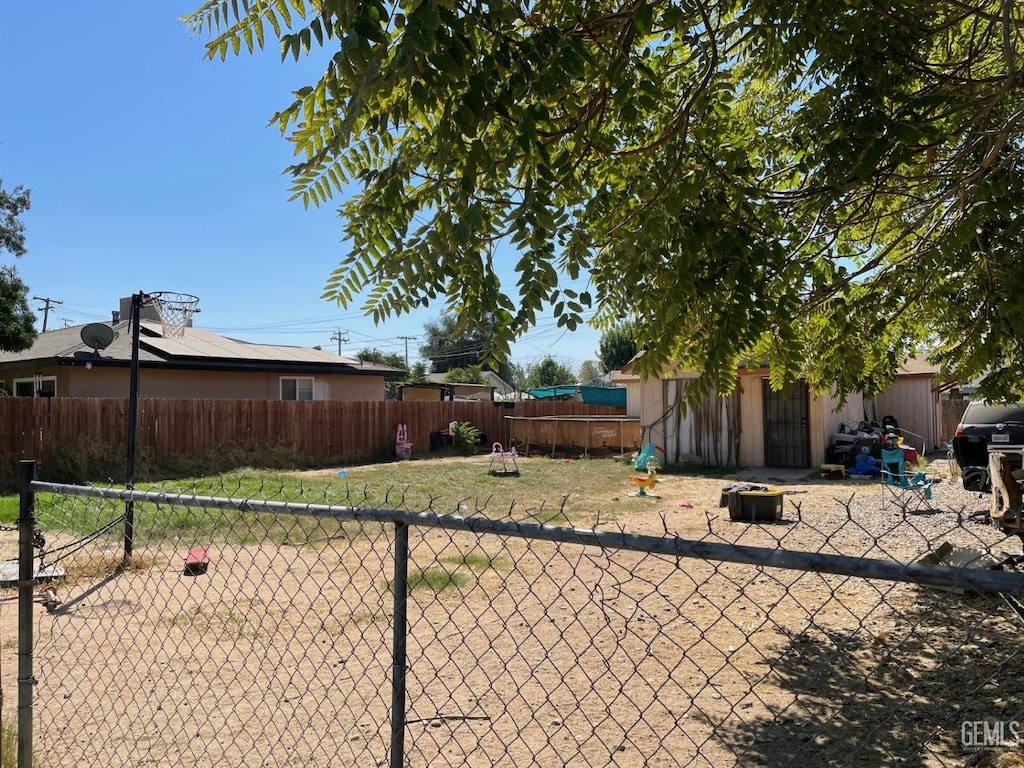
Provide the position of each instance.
(465, 438)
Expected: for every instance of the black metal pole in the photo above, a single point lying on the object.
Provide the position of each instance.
(398, 659)
(133, 422)
(26, 580)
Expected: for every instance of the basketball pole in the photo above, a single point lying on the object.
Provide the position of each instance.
(133, 420)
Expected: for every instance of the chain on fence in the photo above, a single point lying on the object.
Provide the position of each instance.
(527, 642)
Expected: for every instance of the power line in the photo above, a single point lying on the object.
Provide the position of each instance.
(407, 339)
(336, 336)
(48, 302)
(543, 331)
(287, 324)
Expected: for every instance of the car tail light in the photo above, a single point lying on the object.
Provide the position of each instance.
(959, 429)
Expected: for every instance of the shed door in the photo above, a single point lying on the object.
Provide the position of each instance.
(786, 434)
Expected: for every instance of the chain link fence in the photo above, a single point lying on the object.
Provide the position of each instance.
(331, 629)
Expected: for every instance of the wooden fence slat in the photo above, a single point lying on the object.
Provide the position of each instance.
(320, 432)
(951, 412)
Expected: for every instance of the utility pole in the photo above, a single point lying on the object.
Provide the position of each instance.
(336, 336)
(407, 339)
(47, 302)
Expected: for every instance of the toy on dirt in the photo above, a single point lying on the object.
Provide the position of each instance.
(646, 482)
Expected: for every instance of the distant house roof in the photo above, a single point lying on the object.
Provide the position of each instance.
(435, 378)
(457, 390)
(198, 349)
(628, 367)
(491, 379)
(918, 365)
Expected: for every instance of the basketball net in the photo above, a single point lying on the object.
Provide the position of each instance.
(175, 311)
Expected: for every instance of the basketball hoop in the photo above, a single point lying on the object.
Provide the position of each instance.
(175, 311)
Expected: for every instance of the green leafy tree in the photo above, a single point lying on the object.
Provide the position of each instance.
(589, 370)
(450, 343)
(819, 186)
(17, 323)
(617, 346)
(517, 376)
(468, 375)
(394, 359)
(549, 373)
(418, 372)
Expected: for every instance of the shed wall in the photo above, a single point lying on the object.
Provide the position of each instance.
(751, 420)
(914, 404)
(910, 399)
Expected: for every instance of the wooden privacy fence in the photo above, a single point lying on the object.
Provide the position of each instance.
(951, 412)
(319, 432)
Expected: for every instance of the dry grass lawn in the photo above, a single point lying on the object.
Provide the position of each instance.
(521, 652)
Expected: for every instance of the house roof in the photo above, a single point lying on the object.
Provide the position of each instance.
(456, 389)
(197, 349)
(438, 378)
(628, 367)
(491, 379)
(918, 365)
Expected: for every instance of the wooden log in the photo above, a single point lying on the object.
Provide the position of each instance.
(1006, 494)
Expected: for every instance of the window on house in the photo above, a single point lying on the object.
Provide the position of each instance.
(37, 386)
(296, 387)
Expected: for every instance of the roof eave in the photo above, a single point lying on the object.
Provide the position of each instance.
(202, 364)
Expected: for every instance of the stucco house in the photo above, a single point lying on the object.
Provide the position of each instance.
(200, 364)
(757, 427)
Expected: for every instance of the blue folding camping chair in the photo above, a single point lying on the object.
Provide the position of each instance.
(910, 490)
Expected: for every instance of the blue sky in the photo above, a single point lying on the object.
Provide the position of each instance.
(152, 168)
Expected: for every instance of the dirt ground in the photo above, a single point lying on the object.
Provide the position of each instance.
(528, 652)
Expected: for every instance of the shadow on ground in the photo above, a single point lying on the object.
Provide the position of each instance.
(898, 697)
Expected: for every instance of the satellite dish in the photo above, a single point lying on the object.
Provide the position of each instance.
(98, 336)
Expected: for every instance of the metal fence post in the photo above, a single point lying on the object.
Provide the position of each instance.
(133, 425)
(398, 659)
(26, 579)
